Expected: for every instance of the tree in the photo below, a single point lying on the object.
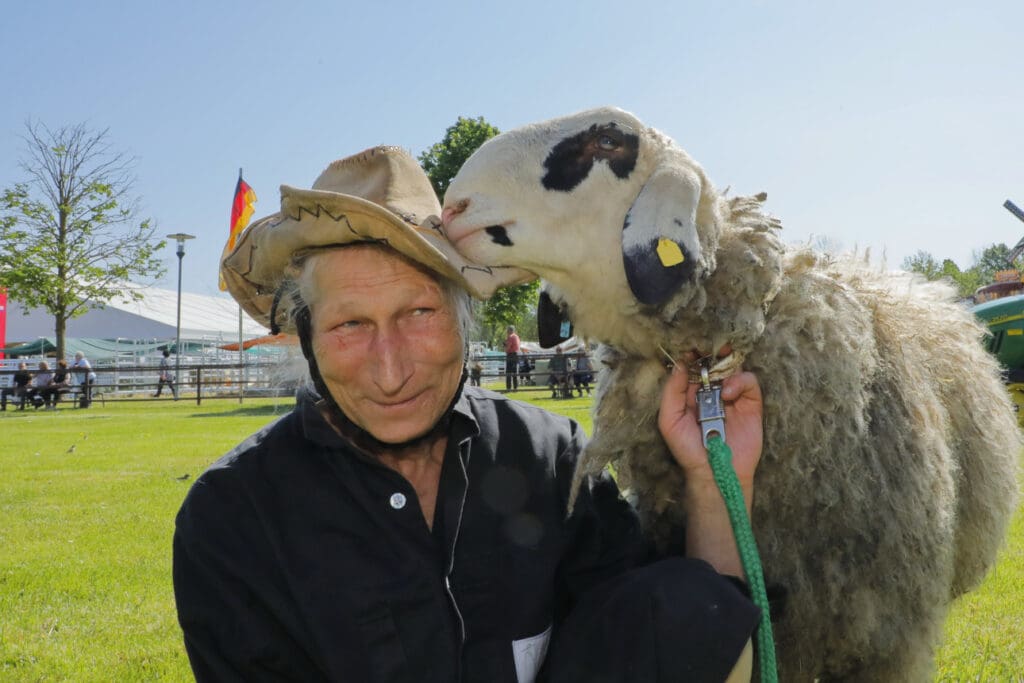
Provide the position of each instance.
(924, 263)
(514, 305)
(444, 159)
(993, 258)
(70, 236)
(509, 306)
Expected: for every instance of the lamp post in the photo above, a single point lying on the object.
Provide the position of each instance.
(180, 237)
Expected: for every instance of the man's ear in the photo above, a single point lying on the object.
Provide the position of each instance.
(660, 245)
(553, 325)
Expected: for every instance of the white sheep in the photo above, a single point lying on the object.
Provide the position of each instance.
(891, 449)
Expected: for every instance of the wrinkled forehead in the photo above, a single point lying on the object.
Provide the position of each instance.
(369, 276)
(365, 259)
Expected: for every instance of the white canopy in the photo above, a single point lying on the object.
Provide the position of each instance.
(154, 316)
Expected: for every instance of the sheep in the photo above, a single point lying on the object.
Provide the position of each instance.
(889, 469)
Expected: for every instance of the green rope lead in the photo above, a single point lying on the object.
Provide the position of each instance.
(720, 457)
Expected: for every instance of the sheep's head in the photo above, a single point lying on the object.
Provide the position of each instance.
(593, 194)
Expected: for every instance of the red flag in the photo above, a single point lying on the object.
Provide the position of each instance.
(3, 320)
(241, 210)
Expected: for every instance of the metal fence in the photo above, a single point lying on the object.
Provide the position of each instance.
(202, 378)
(265, 377)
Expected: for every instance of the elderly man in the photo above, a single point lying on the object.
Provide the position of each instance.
(401, 526)
(87, 378)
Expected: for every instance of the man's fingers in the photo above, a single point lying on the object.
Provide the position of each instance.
(741, 385)
(674, 397)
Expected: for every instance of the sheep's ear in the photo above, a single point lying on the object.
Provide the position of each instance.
(553, 326)
(660, 247)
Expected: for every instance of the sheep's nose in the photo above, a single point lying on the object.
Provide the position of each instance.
(451, 212)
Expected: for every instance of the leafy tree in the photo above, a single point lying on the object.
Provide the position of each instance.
(966, 281)
(992, 259)
(514, 305)
(444, 159)
(509, 306)
(924, 263)
(70, 236)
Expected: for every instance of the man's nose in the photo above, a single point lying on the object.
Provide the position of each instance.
(453, 210)
(392, 365)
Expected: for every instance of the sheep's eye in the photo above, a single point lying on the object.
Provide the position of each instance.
(608, 143)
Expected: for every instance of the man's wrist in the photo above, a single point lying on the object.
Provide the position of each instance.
(702, 495)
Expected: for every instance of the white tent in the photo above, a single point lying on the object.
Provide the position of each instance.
(154, 316)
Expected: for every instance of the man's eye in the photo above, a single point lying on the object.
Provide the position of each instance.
(422, 311)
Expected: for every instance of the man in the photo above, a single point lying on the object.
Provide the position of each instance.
(400, 526)
(19, 389)
(87, 378)
(165, 376)
(511, 359)
(558, 374)
(584, 372)
(58, 384)
(40, 384)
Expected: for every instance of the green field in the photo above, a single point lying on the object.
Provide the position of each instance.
(87, 504)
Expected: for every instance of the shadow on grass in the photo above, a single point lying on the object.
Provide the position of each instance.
(250, 411)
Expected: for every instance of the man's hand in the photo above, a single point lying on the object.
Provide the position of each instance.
(708, 530)
(744, 430)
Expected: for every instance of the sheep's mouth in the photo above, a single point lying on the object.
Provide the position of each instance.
(498, 233)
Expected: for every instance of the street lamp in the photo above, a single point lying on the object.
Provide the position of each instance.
(180, 237)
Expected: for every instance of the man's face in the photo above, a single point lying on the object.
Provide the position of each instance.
(386, 342)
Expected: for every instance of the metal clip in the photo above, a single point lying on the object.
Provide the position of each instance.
(710, 410)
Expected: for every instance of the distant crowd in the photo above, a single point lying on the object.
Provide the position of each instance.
(566, 372)
(45, 387)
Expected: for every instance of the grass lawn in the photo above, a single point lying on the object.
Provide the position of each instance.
(87, 504)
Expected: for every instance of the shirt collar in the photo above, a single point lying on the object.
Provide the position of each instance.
(463, 423)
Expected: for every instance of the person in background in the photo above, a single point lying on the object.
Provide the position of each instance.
(558, 367)
(525, 368)
(165, 376)
(59, 383)
(476, 371)
(584, 373)
(20, 387)
(87, 377)
(40, 384)
(511, 359)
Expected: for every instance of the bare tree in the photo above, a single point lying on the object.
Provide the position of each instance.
(70, 235)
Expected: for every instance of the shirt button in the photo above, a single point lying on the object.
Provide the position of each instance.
(397, 500)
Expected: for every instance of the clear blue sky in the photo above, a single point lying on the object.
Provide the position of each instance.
(894, 126)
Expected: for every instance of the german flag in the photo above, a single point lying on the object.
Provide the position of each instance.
(241, 210)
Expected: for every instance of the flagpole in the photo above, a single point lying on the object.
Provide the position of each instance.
(241, 349)
(241, 357)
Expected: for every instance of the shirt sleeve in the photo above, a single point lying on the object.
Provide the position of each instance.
(229, 613)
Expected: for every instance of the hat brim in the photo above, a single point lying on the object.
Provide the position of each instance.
(316, 219)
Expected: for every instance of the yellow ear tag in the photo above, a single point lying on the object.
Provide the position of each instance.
(669, 253)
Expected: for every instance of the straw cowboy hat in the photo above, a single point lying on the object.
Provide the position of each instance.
(380, 195)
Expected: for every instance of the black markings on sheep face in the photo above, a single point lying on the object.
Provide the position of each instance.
(651, 281)
(570, 161)
(499, 235)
